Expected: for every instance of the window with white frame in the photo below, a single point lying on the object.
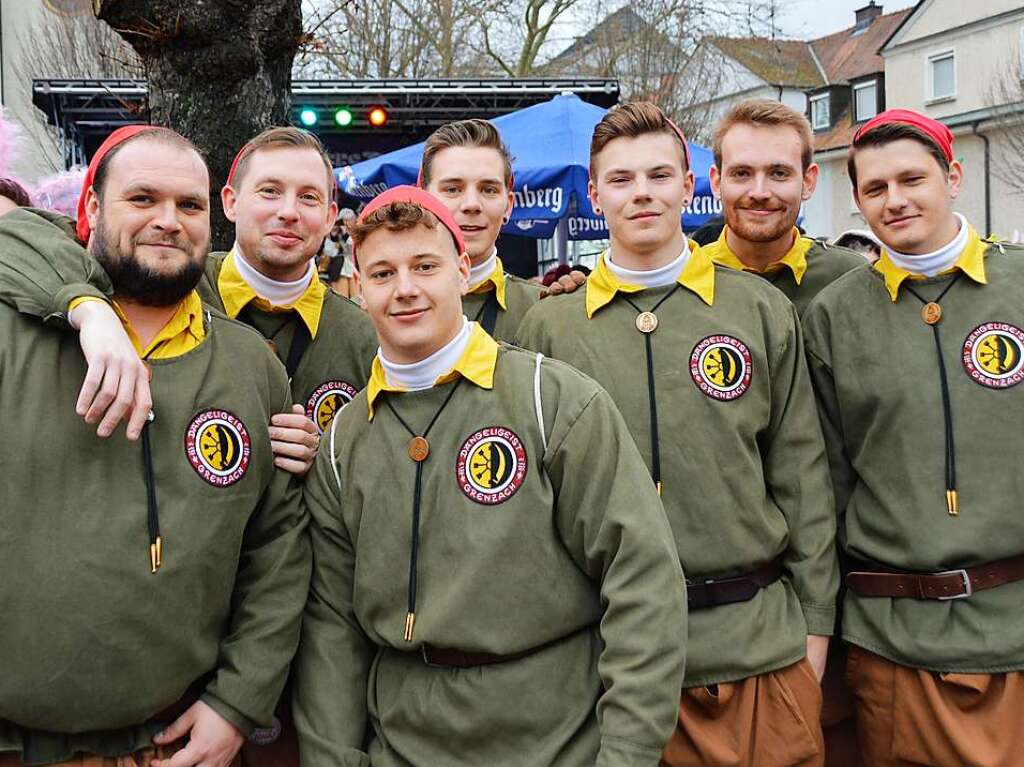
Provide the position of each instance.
(819, 112)
(865, 100)
(942, 75)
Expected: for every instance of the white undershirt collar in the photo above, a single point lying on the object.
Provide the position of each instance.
(650, 278)
(276, 292)
(930, 264)
(417, 376)
(479, 273)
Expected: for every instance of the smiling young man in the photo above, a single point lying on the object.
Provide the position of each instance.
(489, 590)
(917, 364)
(151, 592)
(707, 366)
(468, 167)
(763, 173)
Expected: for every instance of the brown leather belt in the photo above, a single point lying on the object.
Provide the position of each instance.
(447, 657)
(710, 592)
(872, 580)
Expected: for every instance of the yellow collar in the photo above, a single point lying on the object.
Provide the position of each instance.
(971, 262)
(697, 275)
(795, 258)
(183, 332)
(236, 293)
(477, 364)
(497, 279)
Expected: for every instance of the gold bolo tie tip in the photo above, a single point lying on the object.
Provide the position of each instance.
(952, 503)
(410, 623)
(156, 554)
(658, 486)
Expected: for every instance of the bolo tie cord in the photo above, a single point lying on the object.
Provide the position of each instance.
(952, 500)
(156, 541)
(652, 391)
(410, 616)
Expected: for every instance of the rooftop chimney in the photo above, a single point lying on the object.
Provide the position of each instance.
(866, 15)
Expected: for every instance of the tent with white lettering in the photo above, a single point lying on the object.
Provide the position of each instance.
(550, 145)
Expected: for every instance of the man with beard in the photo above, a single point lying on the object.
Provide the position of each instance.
(706, 364)
(763, 173)
(279, 195)
(151, 592)
(918, 362)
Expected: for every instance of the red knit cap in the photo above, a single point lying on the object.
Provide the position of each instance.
(117, 137)
(936, 131)
(416, 196)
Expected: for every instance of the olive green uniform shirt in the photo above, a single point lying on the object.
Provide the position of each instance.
(336, 364)
(94, 643)
(514, 295)
(742, 459)
(802, 272)
(876, 372)
(521, 544)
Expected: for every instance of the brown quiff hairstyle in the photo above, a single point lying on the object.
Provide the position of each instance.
(398, 216)
(886, 134)
(630, 120)
(273, 138)
(468, 133)
(769, 113)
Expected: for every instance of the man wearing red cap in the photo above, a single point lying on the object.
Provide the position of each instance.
(151, 590)
(541, 618)
(706, 364)
(917, 364)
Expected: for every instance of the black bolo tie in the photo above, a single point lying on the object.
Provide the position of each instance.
(647, 323)
(931, 314)
(419, 450)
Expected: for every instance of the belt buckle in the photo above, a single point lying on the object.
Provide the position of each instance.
(967, 584)
(426, 658)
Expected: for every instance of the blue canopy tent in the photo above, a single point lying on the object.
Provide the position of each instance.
(550, 145)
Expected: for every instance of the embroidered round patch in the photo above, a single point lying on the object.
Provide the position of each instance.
(994, 355)
(491, 465)
(218, 447)
(721, 367)
(326, 400)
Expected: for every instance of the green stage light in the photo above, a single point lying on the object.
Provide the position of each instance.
(308, 117)
(343, 117)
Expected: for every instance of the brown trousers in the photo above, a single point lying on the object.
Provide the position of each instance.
(768, 720)
(909, 717)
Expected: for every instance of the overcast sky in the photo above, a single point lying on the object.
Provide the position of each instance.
(808, 19)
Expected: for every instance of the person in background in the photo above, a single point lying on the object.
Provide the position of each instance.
(13, 195)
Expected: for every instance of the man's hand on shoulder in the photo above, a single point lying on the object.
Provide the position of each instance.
(212, 740)
(567, 283)
(116, 386)
(294, 440)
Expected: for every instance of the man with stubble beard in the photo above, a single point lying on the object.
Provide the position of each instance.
(763, 173)
(152, 591)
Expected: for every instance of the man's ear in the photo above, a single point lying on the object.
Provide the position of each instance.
(464, 264)
(228, 201)
(715, 177)
(955, 178)
(92, 207)
(810, 181)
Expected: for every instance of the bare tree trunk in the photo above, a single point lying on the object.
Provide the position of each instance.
(218, 72)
